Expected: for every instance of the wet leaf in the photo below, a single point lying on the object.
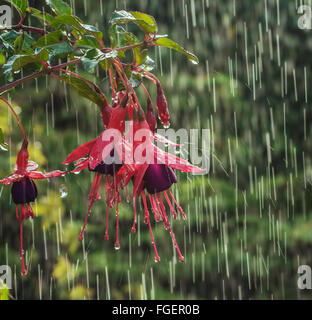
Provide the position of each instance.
(165, 42)
(146, 22)
(43, 17)
(59, 7)
(149, 64)
(88, 41)
(84, 89)
(94, 56)
(20, 5)
(50, 38)
(135, 79)
(76, 23)
(21, 60)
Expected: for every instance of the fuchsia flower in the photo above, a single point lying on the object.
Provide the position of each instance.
(156, 177)
(113, 118)
(24, 190)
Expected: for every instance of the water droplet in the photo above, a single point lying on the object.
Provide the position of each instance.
(167, 126)
(117, 247)
(63, 191)
(157, 259)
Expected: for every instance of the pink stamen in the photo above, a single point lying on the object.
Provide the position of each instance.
(147, 221)
(146, 213)
(154, 208)
(117, 246)
(161, 214)
(133, 230)
(107, 221)
(174, 214)
(85, 223)
(178, 206)
(17, 217)
(98, 197)
(30, 210)
(157, 259)
(22, 250)
(181, 258)
(94, 191)
(23, 213)
(162, 210)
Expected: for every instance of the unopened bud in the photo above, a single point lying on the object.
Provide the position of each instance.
(150, 115)
(162, 106)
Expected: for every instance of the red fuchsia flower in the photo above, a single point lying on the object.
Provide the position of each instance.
(156, 176)
(90, 155)
(162, 106)
(24, 190)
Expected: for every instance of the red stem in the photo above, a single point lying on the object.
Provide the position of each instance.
(37, 74)
(16, 116)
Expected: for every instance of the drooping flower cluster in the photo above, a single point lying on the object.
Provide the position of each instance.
(117, 157)
(120, 158)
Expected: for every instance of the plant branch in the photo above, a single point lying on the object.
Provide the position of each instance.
(25, 28)
(37, 74)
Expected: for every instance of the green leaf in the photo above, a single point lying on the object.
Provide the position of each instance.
(20, 5)
(8, 39)
(28, 41)
(50, 38)
(68, 20)
(18, 44)
(2, 59)
(3, 146)
(55, 44)
(93, 30)
(149, 64)
(94, 56)
(142, 56)
(59, 7)
(60, 50)
(88, 41)
(165, 42)
(91, 60)
(21, 60)
(76, 23)
(135, 79)
(146, 22)
(84, 89)
(119, 37)
(43, 17)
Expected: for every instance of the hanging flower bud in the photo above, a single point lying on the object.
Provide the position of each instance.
(162, 106)
(150, 115)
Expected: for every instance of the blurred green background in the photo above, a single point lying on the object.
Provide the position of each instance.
(249, 221)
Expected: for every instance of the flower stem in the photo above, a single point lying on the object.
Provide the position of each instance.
(16, 116)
